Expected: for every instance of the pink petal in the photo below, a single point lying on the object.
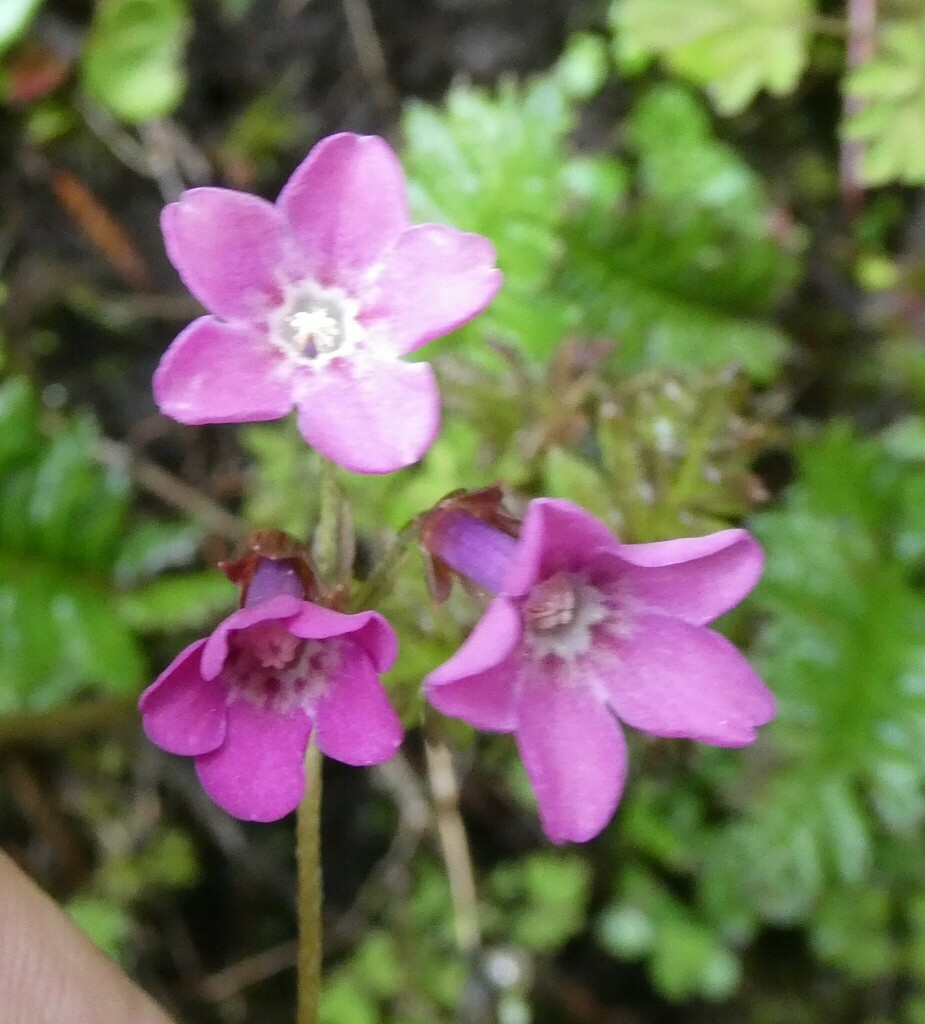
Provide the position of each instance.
(283, 608)
(575, 757)
(434, 280)
(479, 683)
(346, 205)
(674, 679)
(217, 372)
(181, 712)
(367, 630)
(373, 416)
(695, 579)
(356, 723)
(258, 774)
(231, 249)
(557, 536)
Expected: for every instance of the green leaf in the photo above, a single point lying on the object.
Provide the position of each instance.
(19, 432)
(890, 117)
(64, 624)
(735, 48)
(685, 955)
(188, 601)
(132, 61)
(15, 16)
(542, 899)
(493, 164)
(154, 546)
(105, 922)
(842, 632)
(686, 273)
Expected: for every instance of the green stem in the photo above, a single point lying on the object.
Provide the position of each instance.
(308, 857)
(332, 548)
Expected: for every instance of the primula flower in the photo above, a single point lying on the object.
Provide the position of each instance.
(244, 700)
(585, 630)
(314, 299)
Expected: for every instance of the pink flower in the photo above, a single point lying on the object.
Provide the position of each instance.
(244, 700)
(586, 630)
(314, 299)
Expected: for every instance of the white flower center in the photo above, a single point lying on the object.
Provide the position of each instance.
(559, 614)
(314, 323)
(314, 328)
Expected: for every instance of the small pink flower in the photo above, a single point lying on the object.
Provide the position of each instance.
(586, 630)
(244, 700)
(314, 299)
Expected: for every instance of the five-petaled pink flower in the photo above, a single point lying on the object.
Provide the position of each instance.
(314, 299)
(244, 700)
(585, 630)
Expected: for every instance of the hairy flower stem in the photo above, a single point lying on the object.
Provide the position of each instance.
(308, 857)
(332, 546)
(453, 839)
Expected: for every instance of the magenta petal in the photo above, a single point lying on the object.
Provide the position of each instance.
(674, 679)
(371, 417)
(557, 536)
(575, 756)
(346, 204)
(368, 630)
(434, 280)
(258, 774)
(479, 683)
(355, 722)
(181, 712)
(231, 249)
(695, 579)
(217, 372)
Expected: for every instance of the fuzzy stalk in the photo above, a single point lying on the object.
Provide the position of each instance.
(308, 857)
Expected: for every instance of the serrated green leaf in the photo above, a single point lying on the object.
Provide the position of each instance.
(132, 61)
(686, 274)
(734, 48)
(493, 164)
(889, 119)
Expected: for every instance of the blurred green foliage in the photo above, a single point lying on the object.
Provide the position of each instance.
(15, 16)
(669, 250)
(684, 305)
(132, 60)
(735, 48)
(76, 584)
(891, 114)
